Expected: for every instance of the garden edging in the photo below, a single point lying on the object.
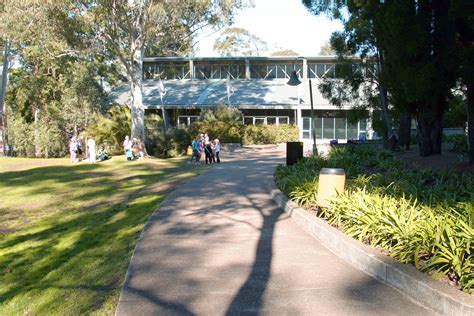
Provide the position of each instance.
(423, 289)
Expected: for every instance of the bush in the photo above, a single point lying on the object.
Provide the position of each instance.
(110, 129)
(173, 143)
(269, 134)
(224, 131)
(420, 216)
(459, 142)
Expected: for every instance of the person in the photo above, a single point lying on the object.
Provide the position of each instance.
(73, 149)
(127, 147)
(103, 154)
(91, 149)
(217, 149)
(208, 152)
(196, 146)
(80, 142)
(206, 138)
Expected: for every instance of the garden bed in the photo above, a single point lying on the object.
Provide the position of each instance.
(419, 216)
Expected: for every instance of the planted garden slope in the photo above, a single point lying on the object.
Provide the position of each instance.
(68, 230)
(419, 216)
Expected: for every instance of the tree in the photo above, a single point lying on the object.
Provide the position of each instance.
(415, 44)
(286, 52)
(237, 41)
(463, 14)
(327, 50)
(128, 28)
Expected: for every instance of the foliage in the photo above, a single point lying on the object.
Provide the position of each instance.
(420, 216)
(224, 131)
(286, 52)
(456, 115)
(111, 128)
(236, 41)
(171, 143)
(269, 134)
(64, 249)
(459, 142)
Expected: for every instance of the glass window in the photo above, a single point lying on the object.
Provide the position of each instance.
(248, 120)
(182, 120)
(306, 123)
(283, 120)
(271, 120)
(259, 120)
(192, 119)
(352, 132)
(319, 128)
(340, 127)
(328, 127)
(320, 70)
(305, 135)
(271, 72)
(363, 125)
(281, 71)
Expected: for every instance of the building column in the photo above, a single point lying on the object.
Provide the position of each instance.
(299, 122)
(247, 69)
(305, 68)
(191, 69)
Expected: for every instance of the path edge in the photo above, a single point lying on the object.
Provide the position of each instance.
(421, 288)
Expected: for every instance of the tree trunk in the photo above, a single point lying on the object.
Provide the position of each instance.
(383, 96)
(405, 129)
(430, 127)
(37, 132)
(3, 86)
(470, 121)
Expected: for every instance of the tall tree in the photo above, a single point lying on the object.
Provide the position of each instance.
(236, 41)
(463, 14)
(128, 28)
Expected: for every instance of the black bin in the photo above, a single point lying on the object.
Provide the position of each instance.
(294, 152)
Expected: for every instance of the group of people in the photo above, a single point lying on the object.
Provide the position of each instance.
(133, 148)
(76, 150)
(211, 149)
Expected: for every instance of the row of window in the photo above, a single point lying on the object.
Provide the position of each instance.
(247, 120)
(333, 128)
(237, 71)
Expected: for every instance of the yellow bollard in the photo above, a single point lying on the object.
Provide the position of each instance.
(331, 183)
(189, 151)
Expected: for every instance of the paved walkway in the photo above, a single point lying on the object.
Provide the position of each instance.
(218, 245)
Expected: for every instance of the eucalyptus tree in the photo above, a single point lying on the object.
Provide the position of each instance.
(54, 86)
(236, 41)
(129, 28)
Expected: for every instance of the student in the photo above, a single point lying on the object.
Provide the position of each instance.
(73, 149)
(127, 147)
(91, 149)
(208, 152)
(196, 146)
(217, 149)
(103, 154)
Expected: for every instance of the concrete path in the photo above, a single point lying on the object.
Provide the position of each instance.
(219, 245)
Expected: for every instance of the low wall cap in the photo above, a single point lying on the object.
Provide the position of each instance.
(336, 171)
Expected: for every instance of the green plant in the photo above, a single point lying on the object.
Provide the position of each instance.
(419, 216)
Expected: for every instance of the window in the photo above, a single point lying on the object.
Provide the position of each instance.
(328, 127)
(283, 120)
(248, 120)
(259, 120)
(340, 127)
(186, 120)
(271, 120)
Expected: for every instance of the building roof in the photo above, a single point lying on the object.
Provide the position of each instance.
(248, 94)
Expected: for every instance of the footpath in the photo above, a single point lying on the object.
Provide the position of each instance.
(219, 245)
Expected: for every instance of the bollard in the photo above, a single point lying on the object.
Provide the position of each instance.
(331, 183)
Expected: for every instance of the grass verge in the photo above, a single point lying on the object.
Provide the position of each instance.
(67, 231)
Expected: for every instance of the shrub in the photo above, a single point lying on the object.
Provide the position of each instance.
(420, 216)
(110, 129)
(269, 134)
(459, 142)
(171, 143)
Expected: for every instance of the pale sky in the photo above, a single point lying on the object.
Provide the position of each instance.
(284, 24)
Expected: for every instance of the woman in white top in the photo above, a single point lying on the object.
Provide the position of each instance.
(91, 149)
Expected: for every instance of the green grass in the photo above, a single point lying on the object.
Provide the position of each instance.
(67, 231)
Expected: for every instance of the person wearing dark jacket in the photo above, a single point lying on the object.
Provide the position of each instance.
(208, 152)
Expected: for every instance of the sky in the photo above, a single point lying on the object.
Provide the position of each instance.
(283, 24)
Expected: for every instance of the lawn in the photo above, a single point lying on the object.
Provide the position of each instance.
(67, 231)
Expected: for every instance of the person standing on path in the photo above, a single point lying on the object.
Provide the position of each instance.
(127, 147)
(217, 149)
(208, 152)
(91, 149)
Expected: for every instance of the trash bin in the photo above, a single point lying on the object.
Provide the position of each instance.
(294, 152)
(331, 184)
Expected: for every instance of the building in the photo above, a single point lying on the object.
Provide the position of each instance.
(256, 85)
